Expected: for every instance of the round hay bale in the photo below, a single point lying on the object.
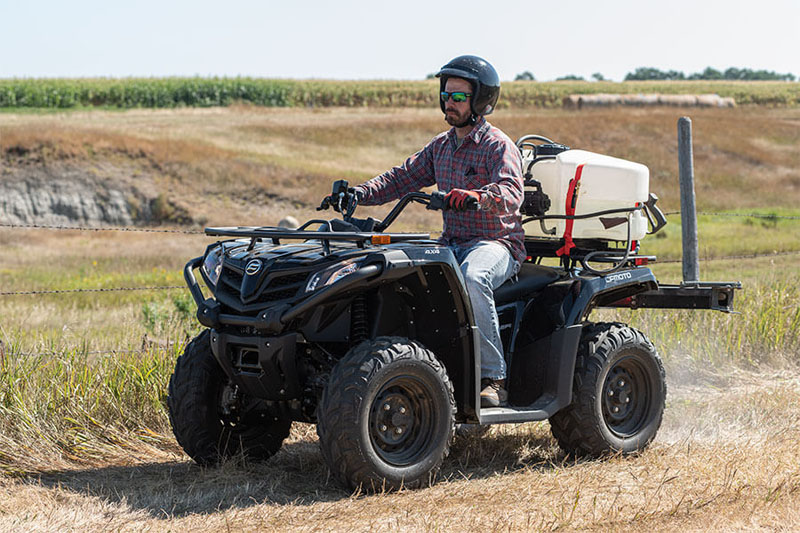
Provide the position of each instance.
(708, 100)
(571, 101)
(600, 100)
(648, 99)
(289, 222)
(678, 100)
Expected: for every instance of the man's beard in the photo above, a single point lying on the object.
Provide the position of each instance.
(459, 121)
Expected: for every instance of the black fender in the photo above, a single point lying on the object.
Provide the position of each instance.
(543, 359)
(592, 292)
(439, 311)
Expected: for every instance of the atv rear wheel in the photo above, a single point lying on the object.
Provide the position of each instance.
(619, 393)
(386, 419)
(198, 389)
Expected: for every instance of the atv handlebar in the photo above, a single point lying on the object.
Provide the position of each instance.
(434, 201)
(344, 200)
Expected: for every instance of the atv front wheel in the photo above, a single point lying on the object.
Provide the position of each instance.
(618, 394)
(198, 389)
(386, 419)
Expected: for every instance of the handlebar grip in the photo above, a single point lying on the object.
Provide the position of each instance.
(437, 201)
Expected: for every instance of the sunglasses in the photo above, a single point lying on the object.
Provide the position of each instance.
(457, 96)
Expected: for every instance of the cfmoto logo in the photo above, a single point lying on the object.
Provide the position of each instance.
(253, 267)
(622, 276)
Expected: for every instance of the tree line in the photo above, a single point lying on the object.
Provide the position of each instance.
(710, 73)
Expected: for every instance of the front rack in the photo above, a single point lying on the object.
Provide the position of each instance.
(360, 238)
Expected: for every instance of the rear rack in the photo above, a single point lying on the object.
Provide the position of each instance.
(714, 295)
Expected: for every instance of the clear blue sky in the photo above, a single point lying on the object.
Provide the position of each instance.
(404, 39)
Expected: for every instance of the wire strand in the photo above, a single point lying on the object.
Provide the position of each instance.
(90, 352)
(84, 228)
(726, 257)
(111, 289)
(742, 215)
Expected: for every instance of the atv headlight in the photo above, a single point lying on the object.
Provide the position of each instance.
(212, 265)
(331, 275)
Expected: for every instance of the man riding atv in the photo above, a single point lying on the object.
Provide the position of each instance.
(478, 166)
(381, 339)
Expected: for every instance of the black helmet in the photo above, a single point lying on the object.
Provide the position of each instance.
(483, 77)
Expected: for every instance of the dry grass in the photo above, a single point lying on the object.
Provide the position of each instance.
(726, 459)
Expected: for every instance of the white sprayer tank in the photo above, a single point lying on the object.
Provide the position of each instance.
(605, 183)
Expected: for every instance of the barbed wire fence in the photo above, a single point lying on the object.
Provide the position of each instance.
(197, 232)
(104, 352)
(88, 352)
(111, 289)
(740, 215)
(102, 228)
(770, 217)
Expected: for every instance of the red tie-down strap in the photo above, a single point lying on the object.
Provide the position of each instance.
(572, 200)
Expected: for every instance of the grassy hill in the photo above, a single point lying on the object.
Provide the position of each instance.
(253, 165)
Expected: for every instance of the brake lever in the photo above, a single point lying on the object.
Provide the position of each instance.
(325, 204)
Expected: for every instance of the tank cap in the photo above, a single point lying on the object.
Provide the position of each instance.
(550, 149)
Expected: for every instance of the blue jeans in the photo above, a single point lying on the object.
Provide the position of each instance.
(485, 266)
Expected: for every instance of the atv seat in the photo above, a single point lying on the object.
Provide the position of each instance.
(530, 278)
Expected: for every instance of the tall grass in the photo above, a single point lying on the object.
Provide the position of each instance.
(72, 407)
(206, 92)
(765, 330)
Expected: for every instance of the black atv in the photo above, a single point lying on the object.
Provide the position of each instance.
(371, 336)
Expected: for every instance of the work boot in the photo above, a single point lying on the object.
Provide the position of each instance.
(493, 392)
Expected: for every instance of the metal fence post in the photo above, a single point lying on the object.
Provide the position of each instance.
(691, 265)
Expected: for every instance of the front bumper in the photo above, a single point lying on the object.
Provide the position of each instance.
(273, 319)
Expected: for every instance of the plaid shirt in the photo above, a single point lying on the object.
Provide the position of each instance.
(487, 162)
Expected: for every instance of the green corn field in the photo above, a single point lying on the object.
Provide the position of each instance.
(129, 93)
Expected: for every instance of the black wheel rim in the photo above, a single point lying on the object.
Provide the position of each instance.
(402, 420)
(627, 397)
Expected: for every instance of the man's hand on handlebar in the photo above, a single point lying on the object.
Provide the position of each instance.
(462, 200)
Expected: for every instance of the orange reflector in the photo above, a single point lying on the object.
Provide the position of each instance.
(381, 239)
